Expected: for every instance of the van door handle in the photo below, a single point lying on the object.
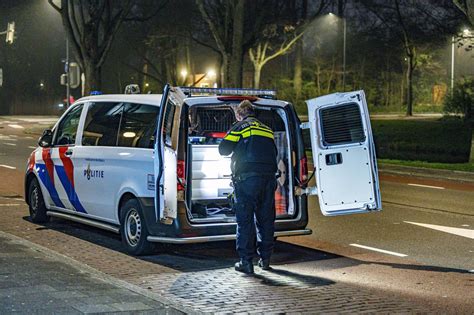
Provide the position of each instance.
(68, 153)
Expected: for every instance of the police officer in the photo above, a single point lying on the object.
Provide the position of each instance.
(253, 167)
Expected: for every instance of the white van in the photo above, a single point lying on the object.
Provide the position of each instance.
(107, 164)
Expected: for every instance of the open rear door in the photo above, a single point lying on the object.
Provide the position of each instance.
(165, 155)
(344, 154)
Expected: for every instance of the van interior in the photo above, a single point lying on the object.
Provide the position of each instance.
(209, 190)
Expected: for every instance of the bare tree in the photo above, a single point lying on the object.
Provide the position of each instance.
(412, 23)
(265, 51)
(225, 20)
(467, 7)
(91, 26)
(280, 35)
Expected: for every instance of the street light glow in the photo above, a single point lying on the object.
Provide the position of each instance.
(211, 73)
(184, 73)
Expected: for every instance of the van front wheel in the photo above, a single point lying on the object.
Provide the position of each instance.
(36, 203)
(133, 229)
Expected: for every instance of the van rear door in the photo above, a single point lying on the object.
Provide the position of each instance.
(343, 154)
(165, 155)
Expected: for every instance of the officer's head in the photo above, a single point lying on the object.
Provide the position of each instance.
(244, 110)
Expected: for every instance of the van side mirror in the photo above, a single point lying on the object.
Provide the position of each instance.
(46, 140)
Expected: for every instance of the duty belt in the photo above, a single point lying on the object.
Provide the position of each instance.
(244, 176)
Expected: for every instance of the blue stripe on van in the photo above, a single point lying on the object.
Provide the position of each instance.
(71, 192)
(46, 180)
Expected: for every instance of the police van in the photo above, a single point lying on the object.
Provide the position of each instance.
(148, 166)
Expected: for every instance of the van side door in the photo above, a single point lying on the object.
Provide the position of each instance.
(344, 154)
(165, 155)
(58, 160)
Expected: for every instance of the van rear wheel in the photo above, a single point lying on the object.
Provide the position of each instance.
(36, 203)
(133, 229)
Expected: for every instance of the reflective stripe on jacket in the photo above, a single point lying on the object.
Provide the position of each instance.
(252, 145)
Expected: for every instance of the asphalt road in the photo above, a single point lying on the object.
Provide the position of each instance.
(411, 224)
(425, 225)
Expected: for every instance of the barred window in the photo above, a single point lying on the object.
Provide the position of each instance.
(342, 124)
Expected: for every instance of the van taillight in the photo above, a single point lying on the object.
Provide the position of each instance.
(181, 172)
(303, 169)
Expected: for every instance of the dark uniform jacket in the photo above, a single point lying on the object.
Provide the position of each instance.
(253, 147)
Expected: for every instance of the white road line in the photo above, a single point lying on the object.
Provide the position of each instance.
(426, 186)
(16, 126)
(8, 166)
(379, 250)
(13, 136)
(12, 144)
(31, 147)
(447, 229)
(28, 137)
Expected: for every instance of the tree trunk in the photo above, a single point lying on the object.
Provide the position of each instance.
(93, 78)
(318, 78)
(189, 63)
(236, 61)
(256, 76)
(225, 70)
(297, 79)
(471, 155)
(297, 75)
(410, 69)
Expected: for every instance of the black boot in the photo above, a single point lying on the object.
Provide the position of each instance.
(264, 264)
(244, 266)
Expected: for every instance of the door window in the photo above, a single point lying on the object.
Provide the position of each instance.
(138, 126)
(67, 128)
(342, 125)
(168, 123)
(102, 124)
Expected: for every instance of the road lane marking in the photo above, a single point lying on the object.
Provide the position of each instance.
(8, 166)
(28, 137)
(6, 143)
(31, 147)
(379, 250)
(426, 186)
(16, 126)
(451, 230)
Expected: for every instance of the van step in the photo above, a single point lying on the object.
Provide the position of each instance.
(215, 238)
(100, 225)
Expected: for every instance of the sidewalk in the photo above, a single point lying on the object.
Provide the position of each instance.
(36, 280)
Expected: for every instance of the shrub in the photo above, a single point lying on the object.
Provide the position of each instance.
(462, 99)
(447, 141)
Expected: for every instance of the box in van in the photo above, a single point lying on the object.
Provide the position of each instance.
(148, 167)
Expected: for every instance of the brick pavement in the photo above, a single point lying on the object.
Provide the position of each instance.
(31, 281)
(198, 276)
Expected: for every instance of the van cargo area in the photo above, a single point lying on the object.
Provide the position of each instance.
(209, 188)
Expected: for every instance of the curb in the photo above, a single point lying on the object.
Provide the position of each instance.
(458, 176)
(98, 274)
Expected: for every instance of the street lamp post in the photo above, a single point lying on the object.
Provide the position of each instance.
(344, 32)
(344, 56)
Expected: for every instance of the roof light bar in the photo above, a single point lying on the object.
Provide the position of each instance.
(228, 91)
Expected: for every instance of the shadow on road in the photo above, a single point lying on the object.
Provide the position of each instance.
(217, 255)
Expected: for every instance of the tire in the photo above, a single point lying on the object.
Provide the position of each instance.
(36, 203)
(133, 229)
